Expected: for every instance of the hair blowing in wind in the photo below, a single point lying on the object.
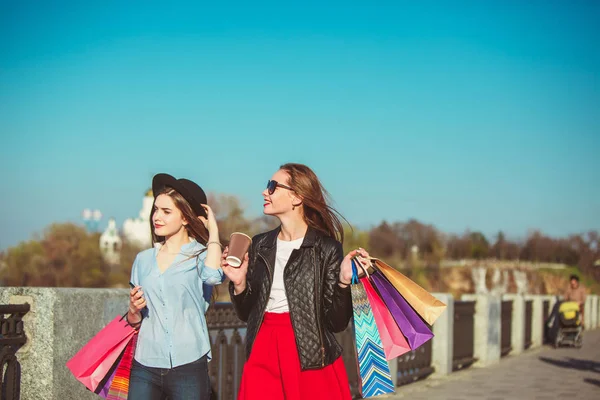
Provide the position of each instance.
(318, 214)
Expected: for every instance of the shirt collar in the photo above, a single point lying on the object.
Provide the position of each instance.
(190, 248)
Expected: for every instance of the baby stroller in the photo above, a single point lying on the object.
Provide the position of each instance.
(564, 325)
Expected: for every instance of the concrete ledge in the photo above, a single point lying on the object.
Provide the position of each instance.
(60, 322)
(442, 350)
(517, 323)
(537, 320)
(488, 313)
(587, 315)
(594, 312)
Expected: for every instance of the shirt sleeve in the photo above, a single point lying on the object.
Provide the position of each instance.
(209, 276)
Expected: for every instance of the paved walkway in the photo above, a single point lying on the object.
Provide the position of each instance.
(539, 374)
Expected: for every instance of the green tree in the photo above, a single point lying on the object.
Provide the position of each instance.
(355, 238)
(230, 215)
(383, 241)
(479, 245)
(459, 247)
(67, 256)
(22, 264)
(263, 224)
(120, 274)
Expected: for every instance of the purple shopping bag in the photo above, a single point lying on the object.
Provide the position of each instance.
(409, 322)
(102, 389)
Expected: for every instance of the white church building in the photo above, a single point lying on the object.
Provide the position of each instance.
(135, 231)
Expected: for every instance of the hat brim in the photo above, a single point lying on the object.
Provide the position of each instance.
(160, 181)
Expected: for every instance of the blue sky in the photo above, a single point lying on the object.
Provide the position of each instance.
(479, 115)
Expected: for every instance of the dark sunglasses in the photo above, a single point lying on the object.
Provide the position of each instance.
(272, 185)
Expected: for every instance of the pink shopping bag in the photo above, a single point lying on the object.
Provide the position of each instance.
(394, 342)
(95, 360)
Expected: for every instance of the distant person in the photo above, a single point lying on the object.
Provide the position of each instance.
(293, 290)
(172, 290)
(576, 292)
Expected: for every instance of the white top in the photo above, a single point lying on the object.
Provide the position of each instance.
(278, 299)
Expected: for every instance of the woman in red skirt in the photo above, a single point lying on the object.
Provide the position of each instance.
(293, 291)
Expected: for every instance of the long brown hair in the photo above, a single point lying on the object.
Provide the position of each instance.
(194, 227)
(318, 214)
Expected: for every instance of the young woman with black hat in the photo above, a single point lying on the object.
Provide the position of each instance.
(293, 291)
(172, 288)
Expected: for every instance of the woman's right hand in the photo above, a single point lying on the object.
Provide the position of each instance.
(137, 302)
(235, 275)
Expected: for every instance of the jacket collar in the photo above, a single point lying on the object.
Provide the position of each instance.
(270, 240)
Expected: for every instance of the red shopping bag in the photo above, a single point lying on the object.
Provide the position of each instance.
(394, 342)
(96, 359)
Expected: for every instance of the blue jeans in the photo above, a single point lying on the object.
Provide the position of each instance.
(186, 382)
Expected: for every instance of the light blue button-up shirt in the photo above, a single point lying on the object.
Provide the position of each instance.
(174, 330)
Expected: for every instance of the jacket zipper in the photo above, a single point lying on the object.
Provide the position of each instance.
(290, 308)
(318, 307)
(270, 280)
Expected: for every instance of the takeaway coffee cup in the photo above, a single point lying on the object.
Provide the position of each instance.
(239, 243)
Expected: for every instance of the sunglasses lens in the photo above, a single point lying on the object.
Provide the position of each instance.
(271, 186)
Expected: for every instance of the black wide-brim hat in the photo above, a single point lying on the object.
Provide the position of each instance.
(190, 191)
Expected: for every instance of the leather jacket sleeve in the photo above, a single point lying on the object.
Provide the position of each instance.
(337, 300)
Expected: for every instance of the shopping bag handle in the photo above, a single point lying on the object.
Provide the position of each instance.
(356, 261)
(367, 260)
(135, 326)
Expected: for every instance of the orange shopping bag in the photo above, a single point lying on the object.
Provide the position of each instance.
(423, 302)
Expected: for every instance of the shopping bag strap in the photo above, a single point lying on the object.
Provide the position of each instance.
(354, 280)
(356, 262)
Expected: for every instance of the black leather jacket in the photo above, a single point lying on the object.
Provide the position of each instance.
(318, 306)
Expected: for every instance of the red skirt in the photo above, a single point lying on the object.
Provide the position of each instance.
(273, 369)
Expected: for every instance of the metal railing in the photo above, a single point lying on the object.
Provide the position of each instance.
(464, 335)
(411, 366)
(12, 338)
(546, 314)
(415, 365)
(506, 328)
(528, 321)
(228, 337)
